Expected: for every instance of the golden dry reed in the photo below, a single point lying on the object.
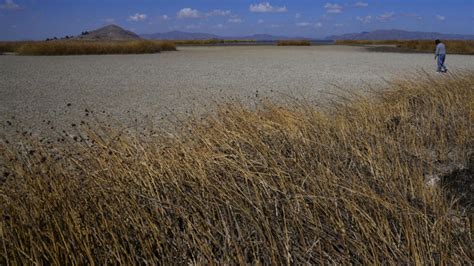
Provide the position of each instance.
(276, 184)
(72, 47)
(10, 47)
(294, 43)
(453, 47)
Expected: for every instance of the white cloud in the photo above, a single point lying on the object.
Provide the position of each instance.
(440, 18)
(188, 13)
(266, 7)
(385, 16)
(333, 8)
(297, 15)
(137, 17)
(366, 19)
(307, 24)
(338, 25)
(10, 5)
(303, 24)
(361, 4)
(218, 13)
(234, 20)
(260, 21)
(109, 20)
(164, 17)
(219, 26)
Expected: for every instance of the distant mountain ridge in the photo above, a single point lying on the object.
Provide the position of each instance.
(400, 35)
(181, 35)
(110, 32)
(114, 32)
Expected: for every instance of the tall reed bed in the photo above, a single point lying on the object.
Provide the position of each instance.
(280, 184)
(92, 47)
(10, 47)
(453, 47)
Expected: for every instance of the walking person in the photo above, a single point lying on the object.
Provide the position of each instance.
(440, 56)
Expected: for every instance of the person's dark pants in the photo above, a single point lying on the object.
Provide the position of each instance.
(441, 66)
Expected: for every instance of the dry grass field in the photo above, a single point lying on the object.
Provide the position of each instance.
(352, 182)
(10, 47)
(294, 43)
(71, 47)
(453, 47)
(74, 47)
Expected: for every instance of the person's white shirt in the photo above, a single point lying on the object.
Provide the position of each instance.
(440, 49)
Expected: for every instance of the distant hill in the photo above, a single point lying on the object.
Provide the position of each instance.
(400, 35)
(180, 35)
(110, 32)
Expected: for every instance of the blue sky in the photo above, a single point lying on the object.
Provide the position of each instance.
(40, 19)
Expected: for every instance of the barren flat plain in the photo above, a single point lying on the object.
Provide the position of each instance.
(37, 92)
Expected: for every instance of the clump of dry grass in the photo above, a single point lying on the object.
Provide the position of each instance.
(276, 185)
(427, 46)
(94, 47)
(294, 43)
(166, 45)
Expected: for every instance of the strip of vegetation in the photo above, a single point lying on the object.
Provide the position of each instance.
(424, 46)
(87, 47)
(211, 42)
(351, 184)
(10, 47)
(294, 43)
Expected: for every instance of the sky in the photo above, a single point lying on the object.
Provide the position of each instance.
(41, 19)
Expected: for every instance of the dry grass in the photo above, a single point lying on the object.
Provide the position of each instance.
(10, 47)
(211, 42)
(166, 45)
(294, 43)
(275, 185)
(428, 46)
(91, 47)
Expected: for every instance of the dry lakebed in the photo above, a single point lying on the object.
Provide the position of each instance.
(44, 92)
